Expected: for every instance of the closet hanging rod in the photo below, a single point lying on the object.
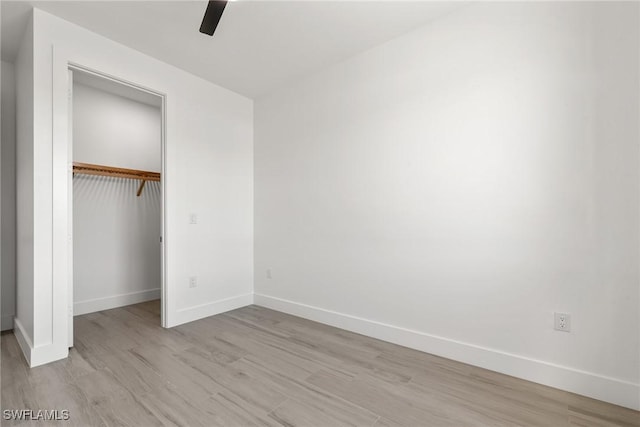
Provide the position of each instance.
(89, 169)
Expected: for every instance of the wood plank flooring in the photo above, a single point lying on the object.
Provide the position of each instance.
(258, 367)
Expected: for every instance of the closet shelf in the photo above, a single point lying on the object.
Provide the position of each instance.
(143, 176)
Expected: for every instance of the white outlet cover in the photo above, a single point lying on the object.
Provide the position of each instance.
(193, 218)
(562, 322)
(193, 282)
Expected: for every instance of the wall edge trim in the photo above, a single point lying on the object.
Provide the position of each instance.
(197, 312)
(114, 301)
(612, 390)
(23, 339)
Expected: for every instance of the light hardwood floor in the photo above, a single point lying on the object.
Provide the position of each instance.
(255, 366)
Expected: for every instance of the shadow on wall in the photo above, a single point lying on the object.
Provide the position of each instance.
(116, 236)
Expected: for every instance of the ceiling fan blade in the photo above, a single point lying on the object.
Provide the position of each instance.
(212, 16)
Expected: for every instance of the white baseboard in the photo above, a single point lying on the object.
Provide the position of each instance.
(599, 387)
(6, 324)
(39, 355)
(197, 312)
(114, 301)
(23, 340)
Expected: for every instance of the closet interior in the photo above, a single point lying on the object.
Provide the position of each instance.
(116, 197)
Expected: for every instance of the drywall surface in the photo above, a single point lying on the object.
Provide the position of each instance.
(24, 320)
(208, 171)
(451, 189)
(8, 205)
(116, 131)
(116, 234)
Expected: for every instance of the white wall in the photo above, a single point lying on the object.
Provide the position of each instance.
(116, 235)
(209, 150)
(113, 130)
(8, 205)
(24, 320)
(452, 188)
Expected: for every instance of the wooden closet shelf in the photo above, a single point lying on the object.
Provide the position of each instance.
(89, 169)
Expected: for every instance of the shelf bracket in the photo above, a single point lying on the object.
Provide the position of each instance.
(89, 169)
(141, 187)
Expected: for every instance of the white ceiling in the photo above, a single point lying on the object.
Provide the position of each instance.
(258, 46)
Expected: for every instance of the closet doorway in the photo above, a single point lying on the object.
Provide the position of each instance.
(116, 201)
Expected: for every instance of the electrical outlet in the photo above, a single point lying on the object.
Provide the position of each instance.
(268, 273)
(562, 322)
(193, 281)
(193, 218)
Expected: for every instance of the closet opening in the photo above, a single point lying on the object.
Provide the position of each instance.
(116, 202)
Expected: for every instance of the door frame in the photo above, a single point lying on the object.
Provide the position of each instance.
(71, 68)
